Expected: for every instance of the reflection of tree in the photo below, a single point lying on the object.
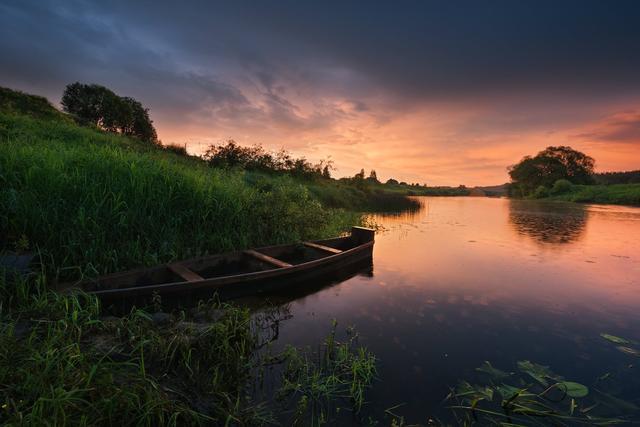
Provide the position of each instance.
(548, 222)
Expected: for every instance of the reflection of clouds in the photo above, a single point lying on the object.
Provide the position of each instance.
(548, 222)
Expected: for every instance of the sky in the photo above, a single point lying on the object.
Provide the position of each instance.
(437, 92)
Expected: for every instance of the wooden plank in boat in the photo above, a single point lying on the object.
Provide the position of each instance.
(185, 273)
(267, 259)
(322, 247)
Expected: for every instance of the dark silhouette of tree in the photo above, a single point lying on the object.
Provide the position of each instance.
(548, 166)
(373, 176)
(359, 175)
(391, 181)
(98, 106)
(232, 155)
(630, 177)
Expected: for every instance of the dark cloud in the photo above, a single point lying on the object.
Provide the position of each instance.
(415, 49)
(354, 70)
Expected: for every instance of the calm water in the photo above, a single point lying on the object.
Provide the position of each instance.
(471, 279)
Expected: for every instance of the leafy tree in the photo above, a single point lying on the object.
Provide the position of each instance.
(547, 167)
(391, 181)
(98, 106)
(373, 176)
(359, 175)
(231, 155)
(577, 166)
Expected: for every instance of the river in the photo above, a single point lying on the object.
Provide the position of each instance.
(467, 280)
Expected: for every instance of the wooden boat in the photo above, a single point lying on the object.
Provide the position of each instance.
(239, 273)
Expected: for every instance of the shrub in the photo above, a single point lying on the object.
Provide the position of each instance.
(541, 192)
(180, 150)
(561, 186)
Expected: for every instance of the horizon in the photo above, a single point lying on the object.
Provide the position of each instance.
(435, 93)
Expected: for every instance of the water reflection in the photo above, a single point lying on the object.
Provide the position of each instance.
(466, 280)
(547, 222)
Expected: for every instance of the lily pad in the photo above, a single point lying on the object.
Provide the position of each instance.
(488, 369)
(540, 373)
(629, 350)
(616, 340)
(508, 391)
(573, 389)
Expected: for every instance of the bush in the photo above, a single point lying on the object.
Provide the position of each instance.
(561, 186)
(541, 192)
(180, 150)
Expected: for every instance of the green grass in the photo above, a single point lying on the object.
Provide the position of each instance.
(616, 194)
(89, 203)
(61, 363)
(92, 203)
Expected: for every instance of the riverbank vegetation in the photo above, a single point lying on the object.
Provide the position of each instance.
(63, 362)
(532, 394)
(561, 173)
(87, 200)
(91, 202)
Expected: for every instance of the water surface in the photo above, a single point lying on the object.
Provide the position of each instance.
(466, 280)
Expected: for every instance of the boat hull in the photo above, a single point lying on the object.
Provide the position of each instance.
(116, 286)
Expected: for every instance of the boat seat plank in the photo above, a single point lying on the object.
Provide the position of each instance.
(322, 247)
(267, 259)
(185, 273)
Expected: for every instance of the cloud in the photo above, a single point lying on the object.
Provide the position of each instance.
(422, 91)
(619, 128)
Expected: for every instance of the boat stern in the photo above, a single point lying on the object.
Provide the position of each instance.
(361, 235)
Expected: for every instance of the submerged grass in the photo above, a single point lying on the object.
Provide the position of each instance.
(61, 363)
(314, 383)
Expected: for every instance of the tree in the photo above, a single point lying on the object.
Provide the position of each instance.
(391, 181)
(90, 104)
(359, 175)
(373, 176)
(547, 167)
(98, 106)
(134, 120)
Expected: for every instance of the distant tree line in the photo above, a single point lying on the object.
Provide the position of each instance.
(373, 178)
(232, 155)
(607, 178)
(95, 105)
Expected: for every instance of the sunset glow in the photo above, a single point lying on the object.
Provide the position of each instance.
(439, 94)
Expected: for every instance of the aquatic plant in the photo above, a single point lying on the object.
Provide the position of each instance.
(535, 395)
(63, 362)
(316, 384)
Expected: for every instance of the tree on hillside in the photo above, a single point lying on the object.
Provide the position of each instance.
(392, 181)
(373, 176)
(359, 175)
(326, 173)
(547, 167)
(98, 106)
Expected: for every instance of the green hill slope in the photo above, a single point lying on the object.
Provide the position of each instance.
(91, 202)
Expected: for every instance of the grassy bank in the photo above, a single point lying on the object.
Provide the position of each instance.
(615, 194)
(88, 203)
(91, 202)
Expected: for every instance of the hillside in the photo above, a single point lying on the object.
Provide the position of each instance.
(91, 202)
